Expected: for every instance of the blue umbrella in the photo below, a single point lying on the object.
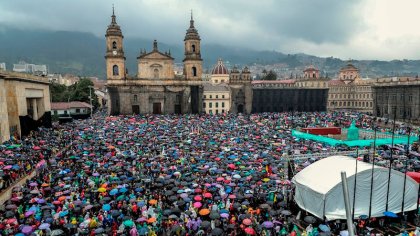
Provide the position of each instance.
(123, 190)
(324, 228)
(106, 207)
(113, 192)
(63, 213)
(390, 214)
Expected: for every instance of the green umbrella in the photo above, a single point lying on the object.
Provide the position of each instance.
(128, 223)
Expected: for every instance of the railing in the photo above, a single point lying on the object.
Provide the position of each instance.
(326, 154)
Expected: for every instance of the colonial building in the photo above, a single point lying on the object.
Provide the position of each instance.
(24, 104)
(311, 79)
(216, 92)
(350, 92)
(397, 97)
(155, 88)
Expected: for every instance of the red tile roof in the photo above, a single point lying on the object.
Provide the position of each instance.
(68, 105)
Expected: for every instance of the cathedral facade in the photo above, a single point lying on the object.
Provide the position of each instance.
(155, 88)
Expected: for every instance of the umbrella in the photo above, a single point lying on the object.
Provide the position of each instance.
(44, 226)
(216, 232)
(113, 192)
(286, 212)
(214, 215)
(390, 214)
(106, 207)
(267, 224)
(128, 223)
(309, 219)
(27, 229)
(247, 221)
(249, 231)
(204, 212)
(324, 228)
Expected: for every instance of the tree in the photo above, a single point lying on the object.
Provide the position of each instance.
(271, 75)
(76, 92)
(80, 92)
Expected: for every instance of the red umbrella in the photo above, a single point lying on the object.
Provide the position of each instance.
(247, 221)
(207, 195)
(250, 231)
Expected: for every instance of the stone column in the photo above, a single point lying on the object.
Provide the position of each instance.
(35, 109)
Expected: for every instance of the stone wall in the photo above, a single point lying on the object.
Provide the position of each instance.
(4, 118)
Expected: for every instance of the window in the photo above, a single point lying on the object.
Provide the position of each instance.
(156, 73)
(223, 96)
(204, 105)
(194, 71)
(216, 81)
(210, 105)
(135, 98)
(217, 96)
(65, 112)
(217, 104)
(223, 110)
(222, 81)
(217, 111)
(114, 45)
(410, 98)
(77, 110)
(223, 104)
(211, 96)
(204, 96)
(193, 47)
(55, 112)
(115, 70)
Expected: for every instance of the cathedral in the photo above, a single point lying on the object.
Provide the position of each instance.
(155, 88)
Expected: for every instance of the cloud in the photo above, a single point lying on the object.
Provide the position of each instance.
(347, 29)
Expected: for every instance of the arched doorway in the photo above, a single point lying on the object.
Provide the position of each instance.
(240, 108)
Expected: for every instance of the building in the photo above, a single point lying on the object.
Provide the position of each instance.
(74, 109)
(24, 67)
(154, 88)
(24, 104)
(311, 79)
(285, 96)
(66, 80)
(216, 98)
(350, 92)
(397, 97)
(3, 66)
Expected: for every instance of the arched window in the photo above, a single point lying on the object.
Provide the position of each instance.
(114, 45)
(194, 71)
(313, 75)
(115, 70)
(135, 98)
(193, 47)
(156, 73)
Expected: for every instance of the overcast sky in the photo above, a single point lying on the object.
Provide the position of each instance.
(349, 29)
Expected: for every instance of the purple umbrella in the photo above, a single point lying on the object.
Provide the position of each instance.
(267, 224)
(27, 229)
(29, 213)
(33, 184)
(40, 201)
(44, 226)
(224, 215)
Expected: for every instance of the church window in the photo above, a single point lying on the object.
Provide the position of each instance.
(114, 45)
(115, 70)
(135, 98)
(193, 47)
(156, 73)
(194, 71)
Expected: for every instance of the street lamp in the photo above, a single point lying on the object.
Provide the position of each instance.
(90, 100)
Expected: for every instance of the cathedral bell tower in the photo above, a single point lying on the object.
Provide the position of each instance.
(193, 69)
(115, 59)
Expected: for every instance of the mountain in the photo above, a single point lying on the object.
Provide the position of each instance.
(82, 54)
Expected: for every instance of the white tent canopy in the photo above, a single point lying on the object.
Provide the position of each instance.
(319, 188)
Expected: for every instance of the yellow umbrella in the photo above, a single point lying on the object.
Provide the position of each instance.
(101, 190)
(266, 179)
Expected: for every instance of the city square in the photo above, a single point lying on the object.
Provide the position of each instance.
(179, 119)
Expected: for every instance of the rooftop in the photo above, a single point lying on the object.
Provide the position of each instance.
(68, 105)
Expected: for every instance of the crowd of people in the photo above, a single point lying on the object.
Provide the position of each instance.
(166, 175)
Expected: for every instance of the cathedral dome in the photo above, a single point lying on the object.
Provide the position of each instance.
(219, 69)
